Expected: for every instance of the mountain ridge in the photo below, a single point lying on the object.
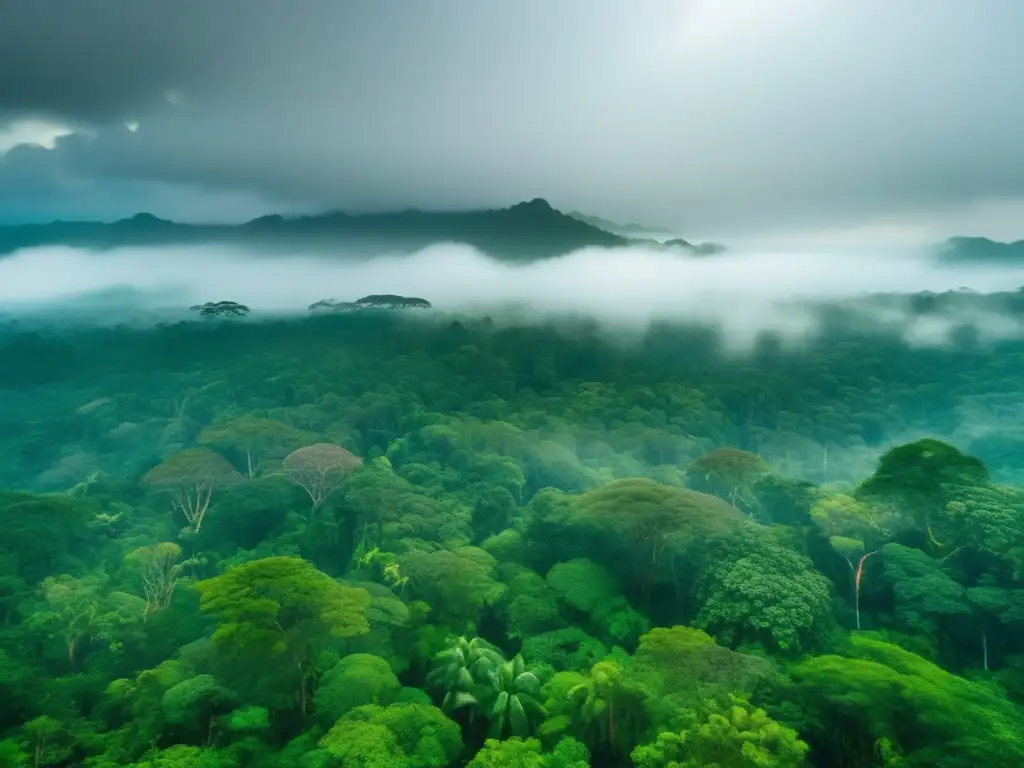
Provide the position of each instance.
(981, 249)
(525, 231)
(628, 230)
(529, 229)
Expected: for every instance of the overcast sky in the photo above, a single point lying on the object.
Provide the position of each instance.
(715, 118)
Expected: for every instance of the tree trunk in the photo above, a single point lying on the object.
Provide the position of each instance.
(611, 720)
(303, 700)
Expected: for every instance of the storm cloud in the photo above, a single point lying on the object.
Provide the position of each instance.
(712, 117)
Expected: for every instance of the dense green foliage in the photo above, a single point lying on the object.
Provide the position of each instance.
(381, 540)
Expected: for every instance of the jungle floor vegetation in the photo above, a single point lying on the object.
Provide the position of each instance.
(371, 540)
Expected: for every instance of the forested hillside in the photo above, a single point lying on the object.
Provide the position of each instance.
(375, 540)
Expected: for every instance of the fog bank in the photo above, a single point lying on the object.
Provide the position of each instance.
(744, 293)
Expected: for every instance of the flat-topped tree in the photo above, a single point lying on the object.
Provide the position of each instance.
(319, 469)
(221, 309)
(327, 306)
(192, 476)
(388, 301)
(728, 473)
(392, 301)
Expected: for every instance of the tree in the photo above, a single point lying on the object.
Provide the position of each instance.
(180, 756)
(459, 665)
(221, 309)
(392, 301)
(732, 735)
(759, 591)
(569, 648)
(852, 527)
(530, 604)
(728, 473)
(255, 439)
(159, 569)
(984, 520)
(683, 667)
(282, 611)
(78, 610)
(584, 584)
(319, 469)
(195, 705)
(610, 707)
(389, 509)
(510, 753)
(594, 590)
(474, 674)
(192, 476)
(529, 753)
(923, 476)
(994, 606)
(923, 591)
(47, 741)
(406, 735)
(458, 583)
(647, 517)
(509, 698)
(358, 679)
(883, 696)
(43, 534)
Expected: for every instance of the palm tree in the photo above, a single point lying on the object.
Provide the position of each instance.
(460, 666)
(609, 708)
(511, 700)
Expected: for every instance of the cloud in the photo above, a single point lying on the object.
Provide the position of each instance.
(31, 133)
(717, 117)
(743, 294)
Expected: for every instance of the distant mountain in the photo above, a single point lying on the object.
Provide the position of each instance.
(697, 249)
(981, 249)
(639, 234)
(525, 231)
(615, 228)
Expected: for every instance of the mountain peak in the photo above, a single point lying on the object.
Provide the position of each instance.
(537, 205)
(145, 219)
(981, 249)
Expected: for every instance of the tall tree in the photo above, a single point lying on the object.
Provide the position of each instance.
(728, 473)
(192, 476)
(319, 469)
(159, 568)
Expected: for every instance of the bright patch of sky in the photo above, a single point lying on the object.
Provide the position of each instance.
(38, 132)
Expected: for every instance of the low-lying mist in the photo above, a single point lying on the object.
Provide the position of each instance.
(743, 294)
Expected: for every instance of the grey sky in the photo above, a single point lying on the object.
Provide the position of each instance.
(714, 117)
